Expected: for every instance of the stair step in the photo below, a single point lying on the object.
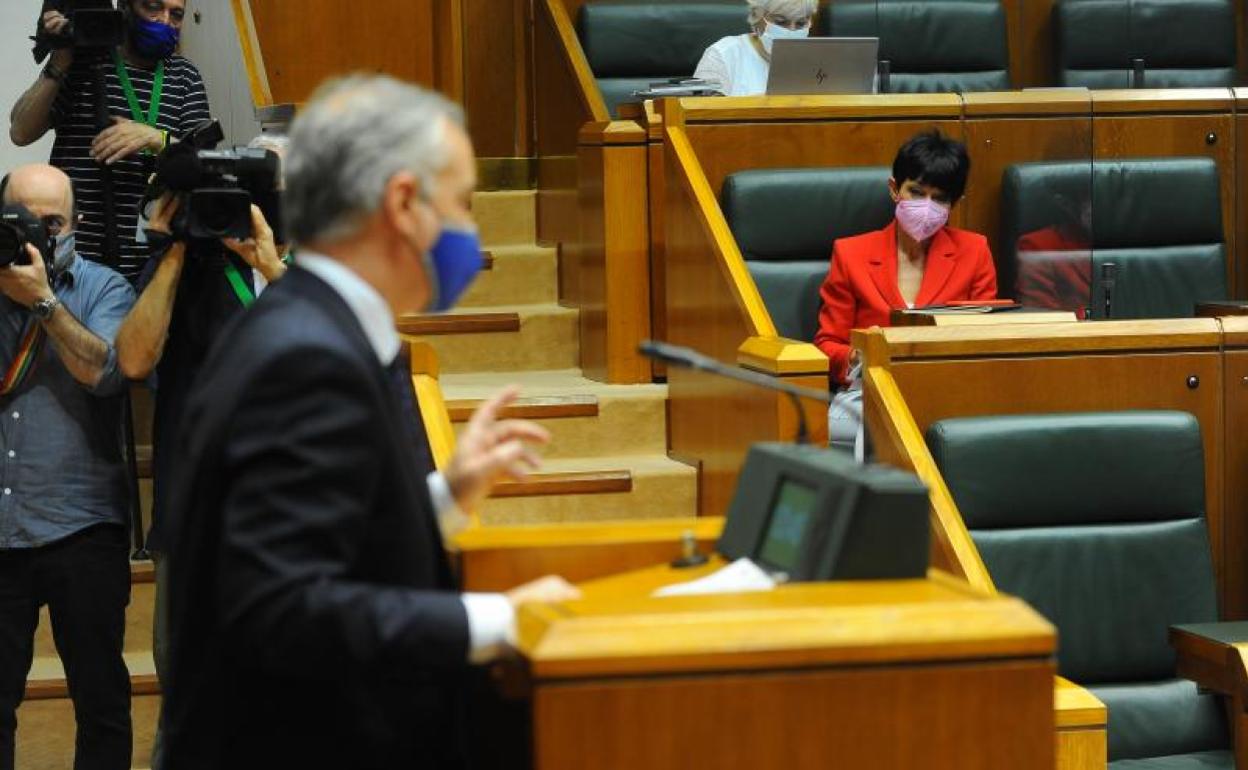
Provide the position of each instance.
(570, 483)
(506, 217)
(539, 408)
(519, 275)
(46, 726)
(585, 418)
(458, 323)
(658, 488)
(510, 338)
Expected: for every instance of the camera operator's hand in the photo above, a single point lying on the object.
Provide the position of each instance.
(260, 250)
(54, 23)
(123, 139)
(26, 284)
(163, 210)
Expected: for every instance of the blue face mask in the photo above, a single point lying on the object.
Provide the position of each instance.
(153, 39)
(453, 262)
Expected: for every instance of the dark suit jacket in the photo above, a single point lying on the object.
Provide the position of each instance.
(313, 622)
(861, 289)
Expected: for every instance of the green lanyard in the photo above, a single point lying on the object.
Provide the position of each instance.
(244, 293)
(158, 87)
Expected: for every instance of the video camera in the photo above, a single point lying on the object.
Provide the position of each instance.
(18, 227)
(218, 186)
(92, 24)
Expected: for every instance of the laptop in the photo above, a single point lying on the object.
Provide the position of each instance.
(823, 65)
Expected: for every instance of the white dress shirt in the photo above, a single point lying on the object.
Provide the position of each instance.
(491, 618)
(736, 65)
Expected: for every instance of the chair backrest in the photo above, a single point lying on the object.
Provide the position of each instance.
(932, 46)
(1097, 521)
(1184, 43)
(631, 44)
(785, 221)
(1158, 220)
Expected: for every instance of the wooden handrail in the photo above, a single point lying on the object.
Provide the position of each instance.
(718, 234)
(899, 442)
(574, 58)
(253, 57)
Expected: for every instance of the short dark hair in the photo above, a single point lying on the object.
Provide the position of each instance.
(931, 158)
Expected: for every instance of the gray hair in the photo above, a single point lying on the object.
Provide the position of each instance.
(789, 8)
(354, 135)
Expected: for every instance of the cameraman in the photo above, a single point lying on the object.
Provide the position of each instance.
(64, 496)
(63, 98)
(189, 292)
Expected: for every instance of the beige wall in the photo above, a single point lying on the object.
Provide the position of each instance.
(17, 24)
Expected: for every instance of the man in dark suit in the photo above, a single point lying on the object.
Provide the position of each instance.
(314, 622)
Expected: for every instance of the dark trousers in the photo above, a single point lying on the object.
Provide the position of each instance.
(85, 581)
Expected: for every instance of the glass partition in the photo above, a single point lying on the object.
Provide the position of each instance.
(1044, 246)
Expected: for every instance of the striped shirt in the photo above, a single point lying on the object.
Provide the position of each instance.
(183, 105)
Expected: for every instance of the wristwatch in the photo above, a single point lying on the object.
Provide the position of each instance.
(44, 308)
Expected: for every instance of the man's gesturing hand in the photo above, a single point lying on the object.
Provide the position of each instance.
(491, 448)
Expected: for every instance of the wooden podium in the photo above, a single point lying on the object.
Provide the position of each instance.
(882, 674)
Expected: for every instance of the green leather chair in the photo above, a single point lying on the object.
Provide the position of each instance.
(932, 46)
(1184, 43)
(632, 44)
(785, 221)
(1159, 221)
(1097, 521)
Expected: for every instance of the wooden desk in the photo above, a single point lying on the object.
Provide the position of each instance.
(898, 674)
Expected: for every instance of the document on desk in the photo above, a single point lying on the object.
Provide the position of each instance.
(741, 575)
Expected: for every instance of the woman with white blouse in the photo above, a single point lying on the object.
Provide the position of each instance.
(739, 63)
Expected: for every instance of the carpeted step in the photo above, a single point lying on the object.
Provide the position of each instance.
(506, 217)
(506, 338)
(657, 488)
(586, 418)
(517, 275)
(138, 615)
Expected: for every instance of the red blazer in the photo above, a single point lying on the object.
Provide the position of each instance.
(861, 288)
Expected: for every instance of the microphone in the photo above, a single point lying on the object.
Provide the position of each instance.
(691, 359)
(1109, 272)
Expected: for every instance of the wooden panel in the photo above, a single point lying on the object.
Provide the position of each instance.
(498, 558)
(1152, 135)
(657, 186)
(497, 81)
(797, 145)
(566, 99)
(1239, 289)
(1078, 383)
(613, 266)
(303, 43)
(1235, 585)
(995, 144)
(972, 716)
(1035, 36)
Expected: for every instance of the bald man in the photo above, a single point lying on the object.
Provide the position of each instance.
(63, 491)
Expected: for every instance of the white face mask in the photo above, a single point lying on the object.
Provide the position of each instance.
(774, 32)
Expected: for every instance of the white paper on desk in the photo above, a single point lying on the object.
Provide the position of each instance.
(741, 575)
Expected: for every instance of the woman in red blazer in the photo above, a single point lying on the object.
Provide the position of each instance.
(917, 261)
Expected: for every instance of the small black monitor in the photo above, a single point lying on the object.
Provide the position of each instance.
(810, 513)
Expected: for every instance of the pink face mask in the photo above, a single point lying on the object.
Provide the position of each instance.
(922, 218)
